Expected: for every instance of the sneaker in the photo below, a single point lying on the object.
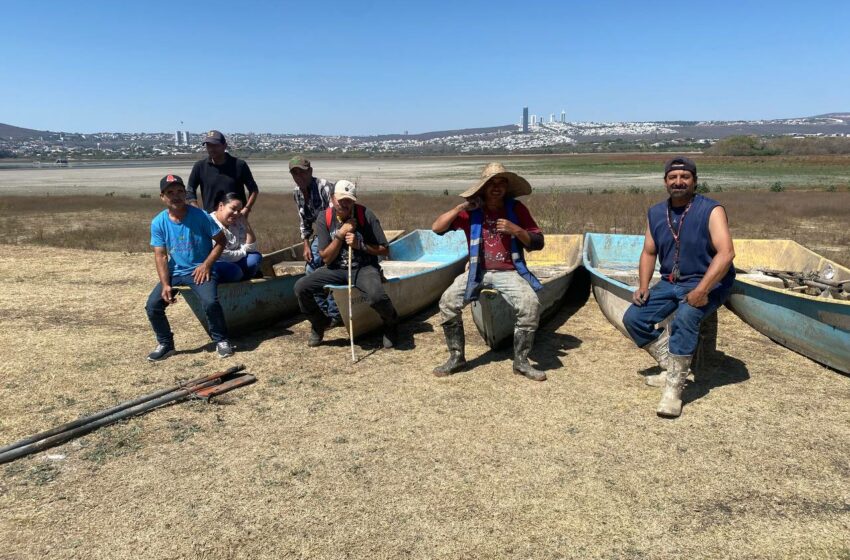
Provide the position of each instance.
(161, 352)
(224, 349)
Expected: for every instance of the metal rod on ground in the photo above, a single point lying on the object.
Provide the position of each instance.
(350, 316)
(105, 421)
(117, 408)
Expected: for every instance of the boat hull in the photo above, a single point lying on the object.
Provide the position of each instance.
(260, 302)
(420, 267)
(555, 267)
(816, 327)
(612, 262)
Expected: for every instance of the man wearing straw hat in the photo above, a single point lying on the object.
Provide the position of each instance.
(345, 225)
(689, 236)
(498, 228)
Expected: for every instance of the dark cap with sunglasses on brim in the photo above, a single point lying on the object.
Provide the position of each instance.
(214, 137)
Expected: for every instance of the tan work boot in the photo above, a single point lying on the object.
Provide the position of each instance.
(523, 341)
(659, 349)
(671, 399)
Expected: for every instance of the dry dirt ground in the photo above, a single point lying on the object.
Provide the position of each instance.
(322, 459)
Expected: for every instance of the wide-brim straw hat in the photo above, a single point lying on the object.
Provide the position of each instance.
(517, 186)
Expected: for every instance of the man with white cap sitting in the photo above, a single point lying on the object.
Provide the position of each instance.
(498, 228)
(346, 224)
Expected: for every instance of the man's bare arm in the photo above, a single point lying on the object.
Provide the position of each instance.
(646, 267)
(444, 220)
(160, 257)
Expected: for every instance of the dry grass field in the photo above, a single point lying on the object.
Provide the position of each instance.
(379, 459)
(324, 459)
(817, 219)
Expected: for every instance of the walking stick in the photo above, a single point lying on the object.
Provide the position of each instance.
(350, 317)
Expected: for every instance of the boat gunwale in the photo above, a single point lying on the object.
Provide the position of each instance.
(429, 270)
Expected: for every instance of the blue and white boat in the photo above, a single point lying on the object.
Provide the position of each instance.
(420, 266)
(260, 302)
(612, 261)
(794, 296)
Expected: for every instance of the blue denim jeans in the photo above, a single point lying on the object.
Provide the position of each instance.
(666, 298)
(325, 302)
(243, 269)
(206, 292)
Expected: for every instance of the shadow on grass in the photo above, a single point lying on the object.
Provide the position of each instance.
(723, 370)
(251, 341)
(549, 345)
(371, 342)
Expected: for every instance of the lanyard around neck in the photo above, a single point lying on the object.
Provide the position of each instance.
(674, 275)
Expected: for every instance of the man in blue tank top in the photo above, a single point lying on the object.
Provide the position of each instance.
(689, 236)
(498, 228)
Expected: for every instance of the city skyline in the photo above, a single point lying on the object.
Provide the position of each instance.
(382, 68)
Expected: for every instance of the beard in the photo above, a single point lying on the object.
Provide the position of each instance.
(680, 194)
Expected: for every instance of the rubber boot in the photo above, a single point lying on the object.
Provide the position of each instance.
(318, 324)
(659, 349)
(671, 399)
(523, 341)
(455, 342)
(389, 315)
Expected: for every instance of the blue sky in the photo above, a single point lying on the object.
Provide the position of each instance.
(386, 67)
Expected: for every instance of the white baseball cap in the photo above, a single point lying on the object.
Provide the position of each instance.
(345, 189)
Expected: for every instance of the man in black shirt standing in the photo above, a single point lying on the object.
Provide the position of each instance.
(347, 224)
(219, 174)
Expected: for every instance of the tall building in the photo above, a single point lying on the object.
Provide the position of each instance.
(563, 116)
(185, 137)
(177, 138)
(533, 120)
(551, 117)
(525, 119)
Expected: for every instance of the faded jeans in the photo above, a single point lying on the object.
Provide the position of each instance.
(666, 298)
(206, 292)
(517, 291)
(325, 301)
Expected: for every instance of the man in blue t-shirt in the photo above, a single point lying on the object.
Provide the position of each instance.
(689, 236)
(182, 238)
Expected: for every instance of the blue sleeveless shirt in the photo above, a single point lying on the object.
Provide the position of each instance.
(695, 252)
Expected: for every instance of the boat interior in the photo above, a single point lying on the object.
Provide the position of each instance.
(787, 265)
(561, 253)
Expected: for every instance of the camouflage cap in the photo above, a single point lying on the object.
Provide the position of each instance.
(299, 161)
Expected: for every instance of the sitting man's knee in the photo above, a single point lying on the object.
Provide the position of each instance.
(375, 299)
(630, 318)
(300, 287)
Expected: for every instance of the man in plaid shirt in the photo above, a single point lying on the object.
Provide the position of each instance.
(312, 196)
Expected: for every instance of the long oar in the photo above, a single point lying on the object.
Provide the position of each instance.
(118, 408)
(350, 316)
